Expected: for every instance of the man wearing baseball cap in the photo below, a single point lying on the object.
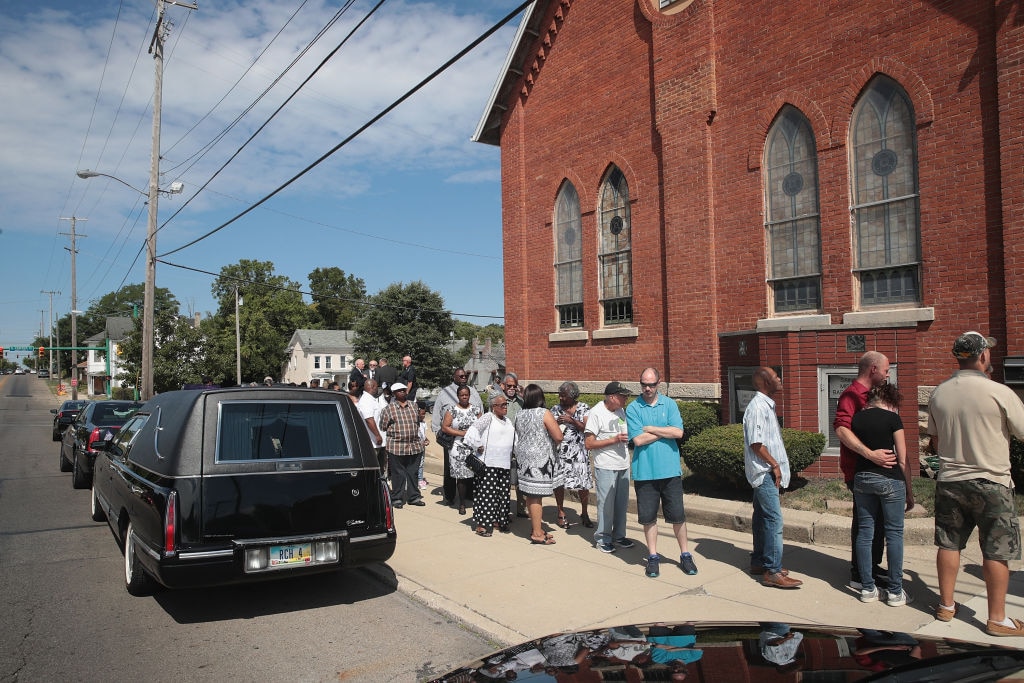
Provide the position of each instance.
(970, 418)
(605, 437)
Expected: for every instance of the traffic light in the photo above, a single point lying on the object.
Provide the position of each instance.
(42, 351)
(1, 352)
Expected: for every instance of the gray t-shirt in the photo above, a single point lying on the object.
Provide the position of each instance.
(604, 424)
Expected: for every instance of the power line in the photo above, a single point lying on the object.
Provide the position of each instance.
(275, 113)
(444, 67)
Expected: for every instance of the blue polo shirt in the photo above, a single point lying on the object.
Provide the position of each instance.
(659, 459)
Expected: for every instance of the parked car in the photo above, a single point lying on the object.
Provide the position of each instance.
(220, 486)
(64, 416)
(19, 371)
(43, 374)
(98, 421)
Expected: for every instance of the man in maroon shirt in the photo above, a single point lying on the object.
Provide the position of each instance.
(872, 371)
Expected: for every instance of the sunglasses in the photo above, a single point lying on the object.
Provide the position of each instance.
(649, 385)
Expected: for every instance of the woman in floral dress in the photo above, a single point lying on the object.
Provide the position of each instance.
(572, 457)
(457, 419)
(537, 433)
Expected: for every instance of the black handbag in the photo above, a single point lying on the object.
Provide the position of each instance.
(474, 463)
(445, 440)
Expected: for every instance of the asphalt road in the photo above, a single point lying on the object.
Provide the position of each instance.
(65, 615)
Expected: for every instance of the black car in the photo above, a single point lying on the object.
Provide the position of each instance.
(210, 487)
(98, 421)
(64, 416)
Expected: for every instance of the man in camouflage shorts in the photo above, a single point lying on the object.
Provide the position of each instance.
(969, 418)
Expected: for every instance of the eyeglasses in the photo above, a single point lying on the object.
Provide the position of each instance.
(460, 375)
(649, 385)
(499, 405)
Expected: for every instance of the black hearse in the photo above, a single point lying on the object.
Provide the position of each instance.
(223, 486)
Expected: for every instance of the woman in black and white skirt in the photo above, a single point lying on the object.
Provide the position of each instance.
(492, 436)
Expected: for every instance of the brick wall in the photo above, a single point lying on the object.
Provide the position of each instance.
(682, 104)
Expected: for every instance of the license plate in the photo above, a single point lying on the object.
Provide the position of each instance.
(287, 555)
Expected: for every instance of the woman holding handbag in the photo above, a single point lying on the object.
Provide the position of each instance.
(490, 438)
(457, 419)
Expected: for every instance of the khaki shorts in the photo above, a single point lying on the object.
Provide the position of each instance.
(962, 505)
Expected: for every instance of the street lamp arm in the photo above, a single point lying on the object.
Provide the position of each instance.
(85, 174)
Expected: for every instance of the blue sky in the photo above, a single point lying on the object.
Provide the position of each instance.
(412, 198)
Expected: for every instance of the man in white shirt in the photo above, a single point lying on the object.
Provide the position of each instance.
(366, 404)
(380, 401)
(605, 437)
(767, 469)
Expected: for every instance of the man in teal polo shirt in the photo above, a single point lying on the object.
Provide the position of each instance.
(654, 424)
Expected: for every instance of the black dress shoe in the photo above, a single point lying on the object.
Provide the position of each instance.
(417, 503)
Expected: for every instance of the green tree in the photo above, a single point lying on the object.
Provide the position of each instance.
(408, 320)
(271, 310)
(182, 355)
(338, 299)
(124, 302)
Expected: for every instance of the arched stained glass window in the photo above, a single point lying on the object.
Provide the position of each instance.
(568, 258)
(886, 210)
(793, 222)
(615, 251)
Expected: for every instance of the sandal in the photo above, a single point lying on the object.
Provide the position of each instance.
(547, 540)
(462, 509)
(562, 521)
(585, 520)
(482, 531)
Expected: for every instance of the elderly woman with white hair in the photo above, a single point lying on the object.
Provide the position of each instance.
(491, 436)
(572, 459)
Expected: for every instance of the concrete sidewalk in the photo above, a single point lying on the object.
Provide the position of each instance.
(512, 591)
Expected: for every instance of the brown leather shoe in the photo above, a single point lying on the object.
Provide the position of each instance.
(996, 629)
(943, 614)
(757, 570)
(780, 581)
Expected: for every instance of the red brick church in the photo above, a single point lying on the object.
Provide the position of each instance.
(706, 186)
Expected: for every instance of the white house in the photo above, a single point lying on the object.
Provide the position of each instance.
(319, 354)
(100, 366)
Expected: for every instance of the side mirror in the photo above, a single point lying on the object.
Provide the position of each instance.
(53, 411)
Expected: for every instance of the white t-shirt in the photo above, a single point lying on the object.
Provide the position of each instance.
(380, 403)
(367, 407)
(604, 424)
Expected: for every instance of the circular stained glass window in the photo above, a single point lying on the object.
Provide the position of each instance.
(792, 184)
(884, 162)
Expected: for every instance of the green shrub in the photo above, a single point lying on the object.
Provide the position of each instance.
(717, 452)
(697, 417)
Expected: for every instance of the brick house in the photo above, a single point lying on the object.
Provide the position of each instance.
(707, 186)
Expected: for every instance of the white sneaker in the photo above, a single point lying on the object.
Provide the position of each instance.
(869, 595)
(898, 599)
(423, 483)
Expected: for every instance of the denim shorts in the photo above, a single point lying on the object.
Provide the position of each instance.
(667, 492)
(962, 505)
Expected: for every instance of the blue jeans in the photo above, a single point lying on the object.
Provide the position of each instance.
(877, 495)
(612, 502)
(766, 524)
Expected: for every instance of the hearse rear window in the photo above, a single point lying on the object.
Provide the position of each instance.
(285, 430)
